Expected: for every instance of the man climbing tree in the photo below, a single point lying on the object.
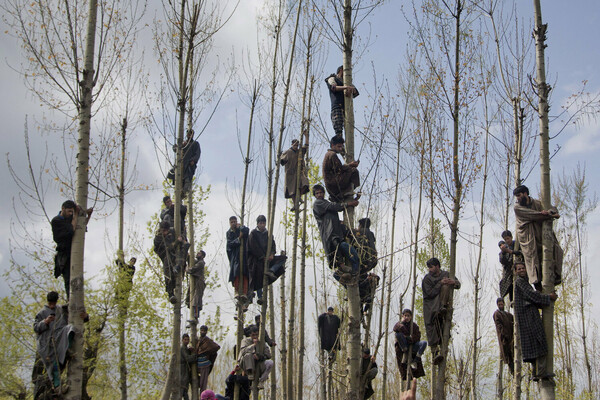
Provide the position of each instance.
(340, 179)
(289, 159)
(504, 322)
(338, 92)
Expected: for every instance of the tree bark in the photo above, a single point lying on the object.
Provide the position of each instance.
(76, 301)
(543, 89)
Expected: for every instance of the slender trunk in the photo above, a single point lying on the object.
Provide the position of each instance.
(518, 373)
(354, 314)
(272, 329)
(478, 268)
(306, 104)
(284, 347)
(239, 288)
(439, 392)
(543, 89)
(122, 284)
(76, 299)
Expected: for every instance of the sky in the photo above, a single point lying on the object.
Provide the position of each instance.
(571, 54)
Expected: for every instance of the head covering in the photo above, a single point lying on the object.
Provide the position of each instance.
(207, 395)
(366, 350)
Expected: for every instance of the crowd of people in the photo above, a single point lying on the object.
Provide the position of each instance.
(350, 253)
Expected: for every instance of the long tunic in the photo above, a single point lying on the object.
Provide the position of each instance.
(529, 221)
(340, 179)
(504, 322)
(289, 159)
(197, 271)
(247, 351)
(257, 249)
(52, 339)
(531, 330)
(329, 326)
(233, 252)
(191, 152)
(332, 233)
(432, 303)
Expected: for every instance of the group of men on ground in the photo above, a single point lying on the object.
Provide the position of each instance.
(526, 263)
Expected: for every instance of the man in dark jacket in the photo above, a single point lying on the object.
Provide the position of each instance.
(191, 156)
(172, 252)
(257, 250)
(531, 330)
(329, 326)
(237, 242)
(409, 335)
(340, 179)
(436, 286)
(332, 233)
(188, 358)
(507, 251)
(63, 229)
(238, 375)
(337, 92)
(168, 214)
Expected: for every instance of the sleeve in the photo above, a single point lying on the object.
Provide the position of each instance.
(430, 288)
(187, 356)
(233, 241)
(284, 157)
(416, 335)
(527, 214)
(39, 325)
(498, 323)
(331, 83)
(397, 326)
(159, 247)
(457, 284)
(355, 94)
(537, 298)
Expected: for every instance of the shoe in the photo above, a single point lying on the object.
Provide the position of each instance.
(438, 359)
(173, 299)
(345, 278)
(404, 358)
(250, 375)
(413, 364)
(270, 275)
(259, 302)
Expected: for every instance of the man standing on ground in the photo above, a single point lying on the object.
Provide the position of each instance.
(529, 219)
(207, 355)
(63, 229)
(340, 179)
(332, 233)
(531, 330)
(436, 286)
(504, 322)
(337, 93)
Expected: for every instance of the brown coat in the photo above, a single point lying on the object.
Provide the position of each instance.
(529, 233)
(339, 178)
(504, 322)
(289, 159)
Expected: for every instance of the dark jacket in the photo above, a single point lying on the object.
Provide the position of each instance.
(233, 252)
(241, 380)
(165, 247)
(329, 326)
(257, 249)
(404, 328)
(332, 232)
(62, 233)
(337, 97)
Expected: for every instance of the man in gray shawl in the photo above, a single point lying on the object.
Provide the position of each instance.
(436, 287)
(289, 159)
(529, 216)
(534, 347)
(54, 337)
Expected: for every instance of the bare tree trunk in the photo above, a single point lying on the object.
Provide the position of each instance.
(543, 89)
(478, 268)
(122, 302)
(284, 346)
(76, 300)
(439, 392)
(240, 287)
(272, 329)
